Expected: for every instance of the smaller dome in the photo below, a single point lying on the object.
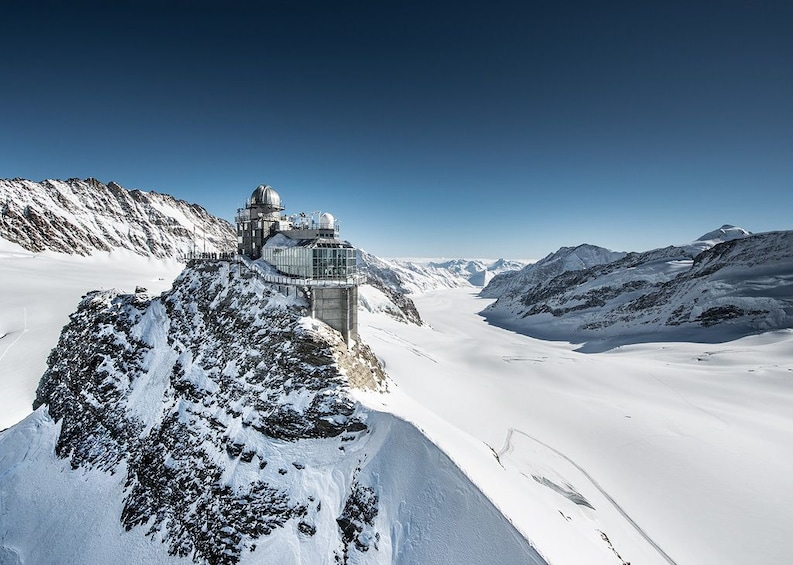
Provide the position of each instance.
(326, 221)
(266, 195)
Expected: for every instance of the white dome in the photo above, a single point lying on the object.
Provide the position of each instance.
(327, 221)
(267, 196)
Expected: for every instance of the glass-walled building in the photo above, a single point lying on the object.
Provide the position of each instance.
(305, 251)
(305, 246)
(313, 259)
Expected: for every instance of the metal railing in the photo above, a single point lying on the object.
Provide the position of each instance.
(354, 279)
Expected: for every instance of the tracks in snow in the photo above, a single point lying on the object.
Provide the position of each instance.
(23, 332)
(508, 448)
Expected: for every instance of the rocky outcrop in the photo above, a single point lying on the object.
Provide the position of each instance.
(218, 424)
(513, 283)
(189, 388)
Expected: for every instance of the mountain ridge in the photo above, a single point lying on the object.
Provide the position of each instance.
(84, 216)
(735, 287)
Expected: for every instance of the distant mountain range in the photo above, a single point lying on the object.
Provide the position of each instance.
(83, 216)
(217, 423)
(392, 280)
(727, 283)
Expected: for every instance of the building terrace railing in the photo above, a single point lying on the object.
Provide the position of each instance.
(353, 279)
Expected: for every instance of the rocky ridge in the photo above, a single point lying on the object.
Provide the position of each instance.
(84, 216)
(512, 283)
(184, 388)
(735, 287)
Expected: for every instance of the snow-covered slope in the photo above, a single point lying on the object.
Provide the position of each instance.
(720, 235)
(740, 286)
(85, 216)
(215, 424)
(38, 291)
(685, 444)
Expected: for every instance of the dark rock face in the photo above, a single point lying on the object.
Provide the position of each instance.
(357, 520)
(185, 388)
(82, 216)
(402, 303)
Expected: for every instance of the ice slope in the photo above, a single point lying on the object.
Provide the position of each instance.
(741, 286)
(84, 216)
(215, 424)
(683, 445)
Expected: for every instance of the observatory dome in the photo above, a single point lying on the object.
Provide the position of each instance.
(327, 221)
(266, 196)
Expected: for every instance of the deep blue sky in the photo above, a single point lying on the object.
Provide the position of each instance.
(479, 129)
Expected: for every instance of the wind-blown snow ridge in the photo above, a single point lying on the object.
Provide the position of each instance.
(218, 422)
(83, 216)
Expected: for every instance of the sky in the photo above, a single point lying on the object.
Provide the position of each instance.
(430, 129)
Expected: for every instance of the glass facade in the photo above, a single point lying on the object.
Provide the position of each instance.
(321, 261)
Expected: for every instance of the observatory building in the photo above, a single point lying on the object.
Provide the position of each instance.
(307, 254)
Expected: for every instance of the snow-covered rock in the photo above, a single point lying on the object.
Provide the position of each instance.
(216, 424)
(737, 287)
(83, 216)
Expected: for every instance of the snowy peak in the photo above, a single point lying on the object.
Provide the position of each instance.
(724, 233)
(565, 259)
(202, 396)
(83, 216)
(415, 276)
(720, 235)
(390, 281)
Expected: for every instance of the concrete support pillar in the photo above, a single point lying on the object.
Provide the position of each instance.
(337, 307)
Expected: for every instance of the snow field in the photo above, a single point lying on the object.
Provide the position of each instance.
(37, 294)
(690, 442)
